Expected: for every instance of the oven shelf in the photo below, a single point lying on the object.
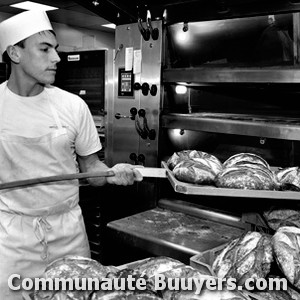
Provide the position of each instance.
(205, 190)
(200, 75)
(249, 125)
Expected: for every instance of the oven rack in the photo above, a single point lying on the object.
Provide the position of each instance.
(240, 124)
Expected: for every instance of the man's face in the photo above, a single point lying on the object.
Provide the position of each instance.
(39, 58)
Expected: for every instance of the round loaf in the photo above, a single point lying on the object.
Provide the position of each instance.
(176, 157)
(195, 155)
(212, 161)
(240, 158)
(286, 245)
(248, 256)
(77, 267)
(194, 172)
(245, 178)
(71, 267)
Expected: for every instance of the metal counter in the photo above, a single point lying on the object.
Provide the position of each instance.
(175, 234)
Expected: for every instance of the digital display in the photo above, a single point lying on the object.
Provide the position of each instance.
(126, 82)
(125, 86)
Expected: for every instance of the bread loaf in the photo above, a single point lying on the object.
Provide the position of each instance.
(177, 157)
(114, 295)
(184, 271)
(194, 172)
(199, 156)
(290, 293)
(274, 295)
(249, 256)
(293, 293)
(246, 171)
(71, 267)
(194, 166)
(289, 178)
(123, 295)
(280, 217)
(157, 265)
(286, 245)
(77, 267)
(207, 159)
(250, 158)
(205, 295)
(245, 178)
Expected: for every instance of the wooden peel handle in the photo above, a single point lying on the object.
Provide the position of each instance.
(33, 181)
(146, 172)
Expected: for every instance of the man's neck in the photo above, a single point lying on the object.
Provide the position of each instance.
(23, 88)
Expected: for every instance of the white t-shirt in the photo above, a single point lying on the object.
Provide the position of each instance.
(32, 117)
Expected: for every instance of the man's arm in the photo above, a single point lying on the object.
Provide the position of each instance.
(125, 174)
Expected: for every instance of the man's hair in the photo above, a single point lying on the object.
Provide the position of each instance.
(21, 44)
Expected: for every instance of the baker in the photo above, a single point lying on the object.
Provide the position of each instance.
(44, 131)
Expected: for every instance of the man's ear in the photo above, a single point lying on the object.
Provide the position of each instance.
(14, 53)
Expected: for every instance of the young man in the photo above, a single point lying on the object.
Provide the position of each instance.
(44, 131)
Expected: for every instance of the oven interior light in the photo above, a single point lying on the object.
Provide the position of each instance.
(110, 25)
(183, 37)
(29, 5)
(180, 89)
(176, 133)
(95, 2)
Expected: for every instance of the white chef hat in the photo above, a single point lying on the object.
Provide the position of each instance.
(22, 26)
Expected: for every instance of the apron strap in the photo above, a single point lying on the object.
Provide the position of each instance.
(41, 227)
(54, 112)
(2, 91)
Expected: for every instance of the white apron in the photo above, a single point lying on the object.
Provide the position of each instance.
(41, 223)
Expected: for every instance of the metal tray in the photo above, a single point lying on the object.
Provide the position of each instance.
(207, 190)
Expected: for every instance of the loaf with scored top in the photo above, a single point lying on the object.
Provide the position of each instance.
(199, 156)
(286, 245)
(246, 171)
(249, 256)
(288, 178)
(280, 217)
(194, 166)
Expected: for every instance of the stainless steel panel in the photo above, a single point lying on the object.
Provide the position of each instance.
(122, 138)
(109, 96)
(151, 73)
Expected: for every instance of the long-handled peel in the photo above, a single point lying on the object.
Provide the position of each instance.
(146, 172)
(33, 181)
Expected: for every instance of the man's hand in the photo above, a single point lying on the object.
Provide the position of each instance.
(125, 174)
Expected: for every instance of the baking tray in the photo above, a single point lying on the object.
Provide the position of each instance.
(204, 261)
(207, 190)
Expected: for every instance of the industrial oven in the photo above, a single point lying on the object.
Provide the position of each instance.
(223, 78)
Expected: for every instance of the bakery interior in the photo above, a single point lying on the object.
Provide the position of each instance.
(219, 77)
